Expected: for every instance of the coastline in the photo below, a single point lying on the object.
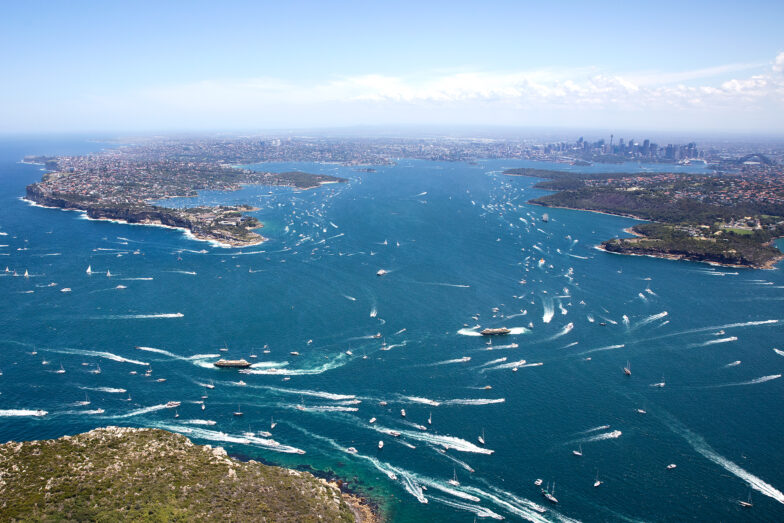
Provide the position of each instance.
(186, 231)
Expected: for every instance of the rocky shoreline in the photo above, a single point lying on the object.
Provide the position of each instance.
(115, 473)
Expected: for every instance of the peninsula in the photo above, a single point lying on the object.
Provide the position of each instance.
(722, 219)
(122, 184)
(114, 473)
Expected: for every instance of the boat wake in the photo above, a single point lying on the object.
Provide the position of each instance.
(650, 319)
(609, 347)
(755, 381)
(22, 412)
(109, 390)
(139, 316)
(139, 412)
(212, 435)
(99, 354)
(549, 309)
(702, 447)
(713, 342)
(598, 437)
(479, 401)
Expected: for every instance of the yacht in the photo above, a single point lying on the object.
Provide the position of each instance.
(381, 272)
(596, 482)
(172, 404)
(403, 413)
(430, 419)
(88, 271)
(351, 450)
(454, 481)
(272, 423)
(627, 370)
(482, 437)
(671, 466)
(538, 482)
(380, 445)
(549, 494)
(372, 420)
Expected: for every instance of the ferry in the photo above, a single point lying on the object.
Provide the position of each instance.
(454, 481)
(238, 364)
(495, 332)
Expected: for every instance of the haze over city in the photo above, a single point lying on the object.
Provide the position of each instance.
(196, 66)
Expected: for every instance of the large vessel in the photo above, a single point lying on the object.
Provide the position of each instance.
(495, 332)
(549, 494)
(239, 364)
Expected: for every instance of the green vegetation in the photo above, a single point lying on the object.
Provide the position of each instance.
(114, 474)
(700, 226)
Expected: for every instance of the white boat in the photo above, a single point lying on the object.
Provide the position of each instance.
(746, 504)
(381, 272)
(351, 450)
(549, 494)
(272, 423)
(627, 370)
(454, 481)
(538, 482)
(642, 411)
(579, 452)
(88, 271)
(172, 404)
(380, 445)
(403, 412)
(430, 419)
(660, 385)
(372, 420)
(210, 385)
(596, 482)
(238, 412)
(482, 437)
(671, 466)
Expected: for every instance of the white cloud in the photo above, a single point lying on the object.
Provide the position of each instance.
(582, 96)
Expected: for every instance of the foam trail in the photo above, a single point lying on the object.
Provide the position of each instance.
(733, 364)
(493, 362)
(453, 459)
(609, 347)
(198, 422)
(566, 330)
(139, 316)
(702, 447)
(457, 360)
(456, 285)
(595, 429)
(600, 437)
(334, 364)
(515, 507)
(212, 435)
(159, 351)
(373, 312)
(424, 401)
(109, 390)
(99, 354)
(479, 401)
(649, 319)
(22, 412)
(548, 309)
(468, 332)
(714, 342)
(314, 393)
(518, 330)
(476, 509)
(719, 327)
(139, 412)
(499, 347)
(755, 381)
(326, 408)
(448, 442)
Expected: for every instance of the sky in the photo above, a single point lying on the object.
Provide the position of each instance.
(252, 65)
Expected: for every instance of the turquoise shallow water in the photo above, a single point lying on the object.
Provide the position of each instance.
(459, 243)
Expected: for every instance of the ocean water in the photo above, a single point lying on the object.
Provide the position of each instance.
(462, 248)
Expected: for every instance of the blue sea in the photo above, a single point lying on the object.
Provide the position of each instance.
(463, 251)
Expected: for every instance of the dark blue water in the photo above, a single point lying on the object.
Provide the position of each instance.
(459, 242)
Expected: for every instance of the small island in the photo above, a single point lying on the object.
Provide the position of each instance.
(118, 473)
(728, 220)
(122, 184)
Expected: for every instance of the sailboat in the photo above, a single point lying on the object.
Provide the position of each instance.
(579, 452)
(548, 494)
(746, 504)
(272, 423)
(660, 384)
(430, 419)
(61, 371)
(89, 269)
(454, 481)
(239, 411)
(627, 369)
(596, 483)
(482, 437)
(26, 274)
(108, 273)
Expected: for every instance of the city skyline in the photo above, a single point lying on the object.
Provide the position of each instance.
(195, 67)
